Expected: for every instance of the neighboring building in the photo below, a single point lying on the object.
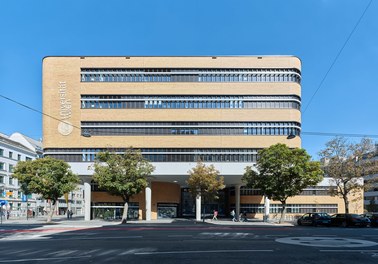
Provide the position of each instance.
(11, 152)
(18, 147)
(28, 142)
(177, 110)
(371, 195)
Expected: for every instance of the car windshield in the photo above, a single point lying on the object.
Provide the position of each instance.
(324, 215)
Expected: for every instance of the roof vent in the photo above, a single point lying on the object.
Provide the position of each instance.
(127, 58)
(82, 58)
(214, 58)
(259, 58)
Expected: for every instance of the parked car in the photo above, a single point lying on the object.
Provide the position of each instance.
(314, 219)
(349, 220)
(373, 217)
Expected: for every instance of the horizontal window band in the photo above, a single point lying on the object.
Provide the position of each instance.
(193, 124)
(191, 127)
(195, 71)
(153, 151)
(187, 100)
(190, 97)
(181, 75)
(156, 153)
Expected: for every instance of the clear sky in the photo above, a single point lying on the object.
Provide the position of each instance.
(313, 30)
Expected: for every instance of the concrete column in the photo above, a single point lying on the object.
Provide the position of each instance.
(148, 203)
(87, 201)
(266, 209)
(237, 201)
(198, 208)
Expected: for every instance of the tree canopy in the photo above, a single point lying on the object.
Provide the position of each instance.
(123, 175)
(282, 172)
(205, 181)
(346, 164)
(51, 178)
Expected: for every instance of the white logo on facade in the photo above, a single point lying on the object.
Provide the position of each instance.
(65, 127)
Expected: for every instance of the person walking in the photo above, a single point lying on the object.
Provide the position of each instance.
(215, 215)
(233, 216)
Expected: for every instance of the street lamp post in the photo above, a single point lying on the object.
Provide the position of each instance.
(266, 208)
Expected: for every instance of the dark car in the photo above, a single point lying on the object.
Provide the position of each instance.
(314, 219)
(373, 217)
(349, 220)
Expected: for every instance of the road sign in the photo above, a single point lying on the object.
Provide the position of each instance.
(3, 202)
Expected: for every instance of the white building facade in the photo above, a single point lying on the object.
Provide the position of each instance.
(11, 152)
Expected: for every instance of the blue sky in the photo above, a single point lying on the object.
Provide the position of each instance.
(314, 30)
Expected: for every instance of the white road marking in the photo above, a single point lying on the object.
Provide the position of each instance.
(41, 259)
(326, 242)
(47, 236)
(348, 250)
(180, 236)
(203, 251)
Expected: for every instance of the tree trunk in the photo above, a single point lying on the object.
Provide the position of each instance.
(204, 211)
(52, 210)
(346, 204)
(125, 212)
(283, 212)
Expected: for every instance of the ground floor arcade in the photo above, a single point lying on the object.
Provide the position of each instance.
(170, 200)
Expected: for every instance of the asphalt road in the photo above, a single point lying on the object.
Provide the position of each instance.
(188, 243)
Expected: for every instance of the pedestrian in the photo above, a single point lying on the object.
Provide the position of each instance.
(71, 214)
(233, 216)
(68, 214)
(8, 214)
(215, 215)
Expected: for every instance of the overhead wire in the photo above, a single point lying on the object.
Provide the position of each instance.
(337, 56)
(302, 132)
(40, 112)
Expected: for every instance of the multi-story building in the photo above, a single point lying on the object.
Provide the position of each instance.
(29, 149)
(11, 152)
(30, 143)
(371, 194)
(177, 110)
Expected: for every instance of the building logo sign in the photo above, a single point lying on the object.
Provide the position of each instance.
(64, 127)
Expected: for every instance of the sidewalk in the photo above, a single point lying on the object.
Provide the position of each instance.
(79, 222)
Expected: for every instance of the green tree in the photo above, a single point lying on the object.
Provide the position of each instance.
(346, 164)
(282, 172)
(204, 181)
(122, 174)
(372, 206)
(48, 177)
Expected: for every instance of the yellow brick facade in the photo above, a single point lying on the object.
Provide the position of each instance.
(63, 90)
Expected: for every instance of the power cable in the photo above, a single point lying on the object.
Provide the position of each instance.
(338, 55)
(338, 134)
(40, 112)
(302, 132)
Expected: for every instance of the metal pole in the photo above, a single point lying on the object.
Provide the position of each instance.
(266, 209)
